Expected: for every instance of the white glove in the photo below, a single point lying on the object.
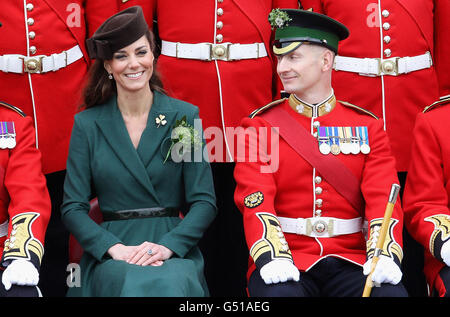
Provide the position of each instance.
(277, 271)
(386, 271)
(445, 252)
(20, 272)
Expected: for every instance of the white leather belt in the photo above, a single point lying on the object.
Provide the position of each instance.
(376, 67)
(14, 63)
(4, 229)
(210, 51)
(321, 227)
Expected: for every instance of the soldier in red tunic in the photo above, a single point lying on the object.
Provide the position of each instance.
(43, 63)
(397, 60)
(306, 195)
(427, 192)
(24, 205)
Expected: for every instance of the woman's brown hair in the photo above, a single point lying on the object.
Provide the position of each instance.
(99, 88)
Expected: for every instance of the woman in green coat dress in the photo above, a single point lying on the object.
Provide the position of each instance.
(124, 151)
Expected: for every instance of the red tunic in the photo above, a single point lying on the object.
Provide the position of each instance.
(292, 190)
(427, 190)
(407, 28)
(57, 26)
(24, 199)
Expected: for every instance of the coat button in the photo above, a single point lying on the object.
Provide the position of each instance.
(30, 7)
(31, 35)
(316, 124)
(319, 202)
(219, 25)
(317, 179)
(387, 39)
(33, 49)
(318, 190)
(385, 13)
(219, 38)
(387, 52)
(219, 11)
(30, 21)
(386, 26)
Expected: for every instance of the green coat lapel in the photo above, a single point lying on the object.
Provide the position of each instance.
(154, 135)
(112, 126)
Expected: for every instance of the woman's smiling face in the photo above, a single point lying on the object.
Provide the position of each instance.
(132, 66)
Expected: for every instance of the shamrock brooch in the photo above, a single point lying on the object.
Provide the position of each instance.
(160, 120)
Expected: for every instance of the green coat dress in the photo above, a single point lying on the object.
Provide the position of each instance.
(103, 162)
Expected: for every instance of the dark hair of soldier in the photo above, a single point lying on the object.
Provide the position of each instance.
(100, 88)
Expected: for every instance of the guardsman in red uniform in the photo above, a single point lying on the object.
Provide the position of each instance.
(24, 204)
(396, 59)
(216, 54)
(427, 193)
(43, 63)
(306, 194)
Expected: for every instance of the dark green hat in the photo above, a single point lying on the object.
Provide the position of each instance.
(294, 27)
(117, 32)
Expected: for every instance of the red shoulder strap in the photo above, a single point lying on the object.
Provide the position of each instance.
(330, 167)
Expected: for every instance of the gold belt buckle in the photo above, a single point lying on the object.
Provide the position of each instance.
(219, 52)
(389, 66)
(32, 64)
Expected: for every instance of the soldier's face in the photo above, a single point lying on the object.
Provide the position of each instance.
(300, 71)
(132, 66)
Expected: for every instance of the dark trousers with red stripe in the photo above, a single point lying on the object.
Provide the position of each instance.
(330, 277)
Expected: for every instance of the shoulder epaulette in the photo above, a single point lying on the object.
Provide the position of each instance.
(348, 104)
(264, 108)
(13, 108)
(435, 104)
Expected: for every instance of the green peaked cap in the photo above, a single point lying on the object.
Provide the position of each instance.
(293, 27)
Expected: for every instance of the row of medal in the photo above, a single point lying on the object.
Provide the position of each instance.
(7, 135)
(345, 140)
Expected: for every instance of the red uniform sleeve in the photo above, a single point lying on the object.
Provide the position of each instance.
(378, 176)
(255, 195)
(30, 208)
(425, 199)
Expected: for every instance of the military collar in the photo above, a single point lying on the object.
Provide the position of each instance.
(310, 110)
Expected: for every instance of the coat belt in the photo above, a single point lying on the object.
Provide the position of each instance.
(140, 213)
(15, 63)
(321, 227)
(393, 66)
(211, 51)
